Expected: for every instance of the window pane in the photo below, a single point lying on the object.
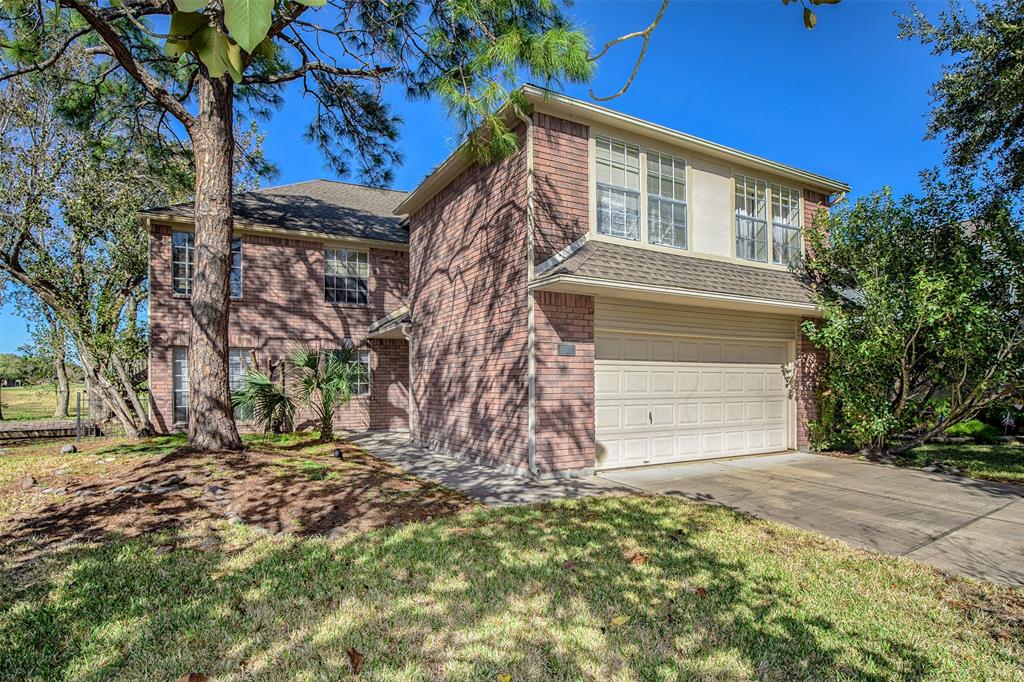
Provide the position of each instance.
(239, 361)
(618, 212)
(182, 248)
(362, 386)
(666, 200)
(346, 276)
(785, 225)
(751, 219)
(179, 375)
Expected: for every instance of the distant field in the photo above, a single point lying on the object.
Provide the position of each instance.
(37, 402)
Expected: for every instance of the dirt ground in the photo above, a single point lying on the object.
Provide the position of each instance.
(280, 490)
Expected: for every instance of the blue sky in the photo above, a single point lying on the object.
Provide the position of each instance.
(847, 100)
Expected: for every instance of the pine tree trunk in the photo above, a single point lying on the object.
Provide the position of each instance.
(63, 391)
(211, 419)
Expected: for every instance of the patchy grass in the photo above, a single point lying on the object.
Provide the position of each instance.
(987, 462)
(627, 588)
(621, 588)
(38, 402)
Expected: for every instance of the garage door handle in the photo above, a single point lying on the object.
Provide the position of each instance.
(650, 417)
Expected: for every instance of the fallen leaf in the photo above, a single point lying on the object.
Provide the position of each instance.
(193, 677)
(620, 620)
(569, 565)
(700, 592)
(504, 677)
(356, 659)
(636, 558)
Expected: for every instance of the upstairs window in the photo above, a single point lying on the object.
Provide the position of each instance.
(183, 260)
(666, 200)
(346, 276)
(182, 253)
(785, 225)
(618, 188)
(751, 219)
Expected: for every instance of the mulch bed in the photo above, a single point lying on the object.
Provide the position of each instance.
(281, 492)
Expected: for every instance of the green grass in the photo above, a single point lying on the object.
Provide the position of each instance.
(38, 402)
(631, 588)
(987, 462)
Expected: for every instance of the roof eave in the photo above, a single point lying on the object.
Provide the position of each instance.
(568, 283)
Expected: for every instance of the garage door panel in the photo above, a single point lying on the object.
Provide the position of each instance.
(661, 400)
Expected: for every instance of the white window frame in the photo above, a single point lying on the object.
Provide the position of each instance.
(179, 383)
(773, 203)
(758, 192)
(328, 251)
(243, 357)
(364, 356)
(791, 197)
(189, 249)
(673, 201)
(643, 239)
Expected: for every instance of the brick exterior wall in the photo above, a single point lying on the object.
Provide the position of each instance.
(468, 290)
(565, 384)
(561, 188)
(809, 361)
(282, 304)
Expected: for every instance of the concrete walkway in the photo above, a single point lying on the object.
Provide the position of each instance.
(956, 524)
(479, 482)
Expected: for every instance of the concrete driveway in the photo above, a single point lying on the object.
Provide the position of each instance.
(957, 524)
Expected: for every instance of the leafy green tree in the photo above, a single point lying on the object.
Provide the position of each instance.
(923, 318)
(979, 100)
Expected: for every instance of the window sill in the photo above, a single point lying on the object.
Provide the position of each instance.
(360, 306)
(188, 297)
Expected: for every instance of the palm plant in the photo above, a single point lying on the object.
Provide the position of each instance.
(326, 379)
(269, 404)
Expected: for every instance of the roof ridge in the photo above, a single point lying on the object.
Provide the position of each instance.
(331, 180)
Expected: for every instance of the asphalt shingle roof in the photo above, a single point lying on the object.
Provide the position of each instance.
(627, 264)
(328, 207)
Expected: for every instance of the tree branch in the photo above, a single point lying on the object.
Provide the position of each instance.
(646, 35)
(272, 79)
(124, 56)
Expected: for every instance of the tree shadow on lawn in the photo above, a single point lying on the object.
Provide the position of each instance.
(536, 592)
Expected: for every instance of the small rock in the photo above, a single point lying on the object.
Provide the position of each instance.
(84, 492)
(338, 453)
(164, 489)
(143, 488)
(63, 471)
(931, 468)
(54, 491)
(214, 490)
(954, 470)
(27, 482)
(173, 479)
(68, 449)
(164, 549)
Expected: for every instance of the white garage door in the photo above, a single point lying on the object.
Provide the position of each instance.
(672, 399)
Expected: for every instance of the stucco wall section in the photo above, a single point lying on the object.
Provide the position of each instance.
(468, 289)
(283, 304)
(565, 383)
(560, 167)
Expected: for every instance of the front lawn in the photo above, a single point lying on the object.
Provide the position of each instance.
(615, 588)
(38, 402)
(987, 462)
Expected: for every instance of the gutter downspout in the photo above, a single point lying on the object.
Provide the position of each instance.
(407, 333)
(531, 331)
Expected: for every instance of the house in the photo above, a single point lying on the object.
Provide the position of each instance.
(614, 294)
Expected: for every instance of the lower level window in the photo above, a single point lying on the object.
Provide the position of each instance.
(179, 373)
(362, 386)
(239, 362)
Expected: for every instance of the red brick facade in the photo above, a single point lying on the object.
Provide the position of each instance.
(565, 383)
(469, 310)
(561, 188)
(809, 361)
(283, 304)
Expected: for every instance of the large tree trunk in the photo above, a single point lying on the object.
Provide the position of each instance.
(211, 420)
(63, 392)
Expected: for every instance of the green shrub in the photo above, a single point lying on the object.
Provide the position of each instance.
(975, 428)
